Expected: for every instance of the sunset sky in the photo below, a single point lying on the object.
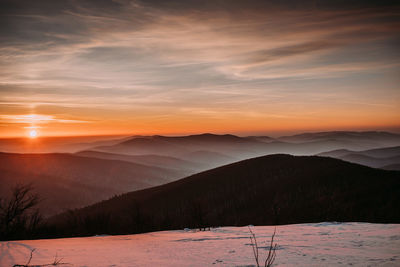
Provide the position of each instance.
(178, 67)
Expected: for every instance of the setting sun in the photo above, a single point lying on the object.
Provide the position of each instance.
(33, 134)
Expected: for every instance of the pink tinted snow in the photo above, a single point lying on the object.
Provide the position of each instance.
(323, 244)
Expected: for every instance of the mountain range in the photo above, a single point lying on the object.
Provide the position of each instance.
(274, 189)
(110, 166)
(242, 147)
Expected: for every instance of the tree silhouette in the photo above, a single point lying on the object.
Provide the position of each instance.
(18, 218)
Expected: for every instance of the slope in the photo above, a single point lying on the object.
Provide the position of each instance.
(275, 189)
(101, 178)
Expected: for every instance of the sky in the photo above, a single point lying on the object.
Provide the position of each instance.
(89, 67)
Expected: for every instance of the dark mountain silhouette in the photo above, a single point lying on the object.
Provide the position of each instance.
(154, 160)
(275, 189)
(393, 167)
(377, 158)
(73, 181)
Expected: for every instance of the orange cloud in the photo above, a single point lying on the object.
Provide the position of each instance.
(152, 67)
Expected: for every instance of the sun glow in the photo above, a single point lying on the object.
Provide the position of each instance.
(33, 134)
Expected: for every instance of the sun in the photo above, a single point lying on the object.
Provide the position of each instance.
(33, 134)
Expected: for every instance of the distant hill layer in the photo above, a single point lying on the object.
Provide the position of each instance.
(379, 138)
(185, 166)
(231, 145)
(69, 181)
(179, 146)
(385, 158)
(252, 146)
(275, 189)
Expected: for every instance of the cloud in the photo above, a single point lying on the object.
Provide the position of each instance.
(36, 119)
(210, 57)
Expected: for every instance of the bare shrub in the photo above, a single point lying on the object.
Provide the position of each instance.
(56, 262)
(18, 218)
(271, 251)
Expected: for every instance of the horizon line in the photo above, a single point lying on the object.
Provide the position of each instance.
(272, 134)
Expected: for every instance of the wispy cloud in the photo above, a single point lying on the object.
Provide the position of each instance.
(36, 119)
(147, 57)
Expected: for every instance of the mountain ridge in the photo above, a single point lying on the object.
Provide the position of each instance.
(71, 172)
(274, 189)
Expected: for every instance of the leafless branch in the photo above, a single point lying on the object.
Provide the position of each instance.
(30, 258)
(54, 263)
(271, 252)
(254, 245)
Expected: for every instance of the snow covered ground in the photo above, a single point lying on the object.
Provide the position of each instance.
(322, 244)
